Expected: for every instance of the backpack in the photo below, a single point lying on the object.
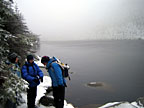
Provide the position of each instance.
(64, 67)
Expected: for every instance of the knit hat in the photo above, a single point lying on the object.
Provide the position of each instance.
(12, 57)
(45, 59)
(30, 57)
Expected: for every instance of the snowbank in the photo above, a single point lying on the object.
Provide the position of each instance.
(41, 90)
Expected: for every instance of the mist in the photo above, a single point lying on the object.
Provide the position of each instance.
(84, 19)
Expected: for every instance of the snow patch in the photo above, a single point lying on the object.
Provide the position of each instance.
(41, 89)
(121, 105)
(38, 61)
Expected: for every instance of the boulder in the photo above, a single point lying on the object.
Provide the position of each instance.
(46, 101)
(140, 101)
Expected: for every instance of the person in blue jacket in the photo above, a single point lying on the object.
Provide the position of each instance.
(58, 81)
(32, 74)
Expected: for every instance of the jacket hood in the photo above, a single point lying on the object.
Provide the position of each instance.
(27, 63)
(53, 59)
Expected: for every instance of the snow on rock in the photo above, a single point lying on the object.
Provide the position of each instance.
(123, 105)
(38, 61)
(109, 104)
(68, 105)
(41, 89)
(24, 105)
(118, 105)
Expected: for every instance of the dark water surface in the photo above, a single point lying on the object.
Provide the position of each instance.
(118, 64)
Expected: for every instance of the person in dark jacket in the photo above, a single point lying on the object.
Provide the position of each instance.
(32, 74)
(13, 64)
(58, 82)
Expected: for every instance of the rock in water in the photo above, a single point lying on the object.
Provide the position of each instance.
(140, 101)
(95, 84)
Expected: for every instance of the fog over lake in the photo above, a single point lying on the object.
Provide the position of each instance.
(84, 19)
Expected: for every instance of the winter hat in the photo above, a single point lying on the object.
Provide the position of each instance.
(12, 57)
(45, 59)
(30, 57)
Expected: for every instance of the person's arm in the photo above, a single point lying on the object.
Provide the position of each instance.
(40, 73)
(58, 73)
(25, 74)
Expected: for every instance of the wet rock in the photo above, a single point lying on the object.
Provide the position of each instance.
(140, 101)
(49, 89)
(46, 101)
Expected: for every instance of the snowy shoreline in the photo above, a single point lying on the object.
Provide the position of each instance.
(41, 91)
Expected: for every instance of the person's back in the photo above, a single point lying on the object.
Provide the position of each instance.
(55, 73)
(58, 81)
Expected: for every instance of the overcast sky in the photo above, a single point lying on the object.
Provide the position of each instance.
(76, 19)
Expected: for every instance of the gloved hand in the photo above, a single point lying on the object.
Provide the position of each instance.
(36, 80)
(41, 78)
(60, 86)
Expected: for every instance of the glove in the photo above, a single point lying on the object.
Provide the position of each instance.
(41, 78)
(36, 80)
(60, 86)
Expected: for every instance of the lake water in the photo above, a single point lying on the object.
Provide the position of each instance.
(119, 64)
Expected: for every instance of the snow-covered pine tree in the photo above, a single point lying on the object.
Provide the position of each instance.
(14, 37)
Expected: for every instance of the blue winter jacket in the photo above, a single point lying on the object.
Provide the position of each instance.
(31, 73)
(55, 73)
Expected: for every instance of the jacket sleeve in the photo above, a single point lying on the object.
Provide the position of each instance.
(58, 73)
(40, 73)
(25, 74)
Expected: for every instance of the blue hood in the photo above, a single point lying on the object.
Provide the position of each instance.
(53, 59)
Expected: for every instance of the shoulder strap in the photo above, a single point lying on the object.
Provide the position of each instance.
(27, 67)
(61, 70)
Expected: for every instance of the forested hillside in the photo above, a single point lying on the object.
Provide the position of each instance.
(14, 37)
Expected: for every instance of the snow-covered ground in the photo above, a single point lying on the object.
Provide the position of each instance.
(41, 90)
(123, 105)
(38, 61)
